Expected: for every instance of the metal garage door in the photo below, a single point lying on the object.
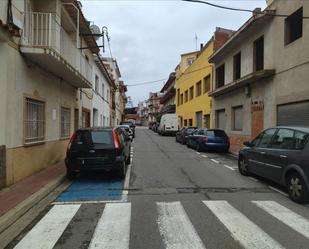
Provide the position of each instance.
(296, 114)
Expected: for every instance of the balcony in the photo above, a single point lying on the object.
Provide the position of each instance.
(46, 43)
(242, 82)
(169, 94)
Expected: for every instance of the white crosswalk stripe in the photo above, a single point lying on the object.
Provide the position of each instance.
(49, 229)
(176, 228)
(113, 228)
(285, 215)
(177, 231)
(248, 234)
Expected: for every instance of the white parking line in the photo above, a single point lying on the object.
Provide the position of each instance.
(253, 179)
(215, 161)
(198, 153)
(204, 156)
(229, 167)
(126, 184)
(278, 190)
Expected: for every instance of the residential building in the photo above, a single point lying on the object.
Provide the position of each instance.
(261, 74)
(154, 106)
(142, 113)
(193, 83)
(41, 70)
(168, 98)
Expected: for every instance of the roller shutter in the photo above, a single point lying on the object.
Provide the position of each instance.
(296, 114)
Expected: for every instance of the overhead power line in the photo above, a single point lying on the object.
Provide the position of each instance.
(238, 9)
(146, 83)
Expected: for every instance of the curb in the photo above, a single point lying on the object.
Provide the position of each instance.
(18, 211)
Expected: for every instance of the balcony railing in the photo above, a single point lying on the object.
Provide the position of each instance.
(44, 31)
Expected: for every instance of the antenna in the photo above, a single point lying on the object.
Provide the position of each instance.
(195, 42)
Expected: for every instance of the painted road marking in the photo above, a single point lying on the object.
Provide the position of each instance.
(253, 179)
(48, 230)
(175, 227)
(113, 228)
(198, 153)
(229, 167)
(285, 215)
(204, 156)
(241, 228)
(215, 161)
(278, 190)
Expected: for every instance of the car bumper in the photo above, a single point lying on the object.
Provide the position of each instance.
(215, 146)
(83, 164)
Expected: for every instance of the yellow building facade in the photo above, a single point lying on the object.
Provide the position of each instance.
(192, 86)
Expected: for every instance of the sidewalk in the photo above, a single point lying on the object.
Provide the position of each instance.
(12, 196)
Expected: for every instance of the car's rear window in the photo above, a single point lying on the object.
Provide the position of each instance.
(101, 137)
(216, 133)
(93, 137)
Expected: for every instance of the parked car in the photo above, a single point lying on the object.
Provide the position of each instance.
(280, 154)
(98, 149)
(168, 124)
(209, 139)
(131, 124)
(183, 133)
(127, 130)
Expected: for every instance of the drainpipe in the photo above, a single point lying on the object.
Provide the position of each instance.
(77, 23)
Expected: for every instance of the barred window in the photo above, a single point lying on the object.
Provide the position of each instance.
(65, 119)
(34, 121)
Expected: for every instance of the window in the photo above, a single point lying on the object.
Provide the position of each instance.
(34, 121)
(198, 88)
(96, 86)
(220, 76)
(191, 93)
(284, 139)
(258, 54)
(102, 93)
(190, 61)
(294, 26)
(185, 122)
(65, 122)
(186, 96)
(207, 84)
(178, 96)
(107, 96)
(181, 98)
(190, 122)
(301, 140)
(264, 139)
(237, 66)
(237, 118)
(220, 119)
(207, 121)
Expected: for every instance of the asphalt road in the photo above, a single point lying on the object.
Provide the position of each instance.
(174, 198)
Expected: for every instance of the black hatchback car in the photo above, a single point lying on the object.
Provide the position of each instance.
(98, 149)
(280, 154)
(183, 133)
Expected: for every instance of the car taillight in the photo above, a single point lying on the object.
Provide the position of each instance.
(71, 141)
(116, 142)
(205, 139)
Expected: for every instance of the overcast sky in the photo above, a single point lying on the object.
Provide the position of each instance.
(147, 37)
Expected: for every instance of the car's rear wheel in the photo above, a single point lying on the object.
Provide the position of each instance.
(198, 148)
(71, 175)
(297, 188)
(243, 166)
(128, 161)
(122, 171)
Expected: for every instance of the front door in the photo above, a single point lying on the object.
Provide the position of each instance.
(199, 119)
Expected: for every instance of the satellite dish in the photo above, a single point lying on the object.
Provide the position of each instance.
(96, 31)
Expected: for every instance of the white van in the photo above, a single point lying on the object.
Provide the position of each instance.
(168, 124)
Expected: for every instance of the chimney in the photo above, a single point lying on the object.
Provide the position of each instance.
(201, 46)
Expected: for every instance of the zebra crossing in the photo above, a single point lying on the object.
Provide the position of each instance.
(112, 230)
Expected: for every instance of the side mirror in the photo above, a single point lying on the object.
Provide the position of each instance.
(248, 144)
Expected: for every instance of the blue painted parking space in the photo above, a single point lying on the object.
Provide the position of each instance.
(92, 189)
